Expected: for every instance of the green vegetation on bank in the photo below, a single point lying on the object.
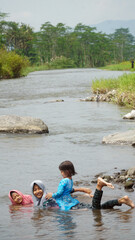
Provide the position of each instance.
(123, 66)
(11, 64)
(56, 63)
(124, 86)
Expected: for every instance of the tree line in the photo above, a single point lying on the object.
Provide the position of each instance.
(83, 45)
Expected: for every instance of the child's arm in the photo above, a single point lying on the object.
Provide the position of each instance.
(60, 191)
(85, 190)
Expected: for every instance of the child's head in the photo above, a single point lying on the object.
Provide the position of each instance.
(15, 197)
(67, 169)
(37, 191)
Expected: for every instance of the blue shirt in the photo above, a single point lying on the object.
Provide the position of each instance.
(63, 197)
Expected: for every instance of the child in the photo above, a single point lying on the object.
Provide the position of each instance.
(38, 195)
(66, 202)
(65, 188)
(16, 197)
(96, 202)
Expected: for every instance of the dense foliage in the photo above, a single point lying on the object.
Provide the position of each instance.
(61, 46)
(11, 64)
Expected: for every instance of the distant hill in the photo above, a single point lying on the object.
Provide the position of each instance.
(110, 26)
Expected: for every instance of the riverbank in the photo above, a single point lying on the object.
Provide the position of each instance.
(124, 87)
(123, 66)
(55, 63)
(62, 63)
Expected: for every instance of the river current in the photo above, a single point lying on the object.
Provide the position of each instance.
(76, 130)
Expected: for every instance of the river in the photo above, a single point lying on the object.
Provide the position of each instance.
(76, 130)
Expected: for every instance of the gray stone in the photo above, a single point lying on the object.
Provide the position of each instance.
(16, 124)
(127, 138)
(131, 171)
(129, 184)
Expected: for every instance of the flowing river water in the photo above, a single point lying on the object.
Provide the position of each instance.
(76, 130)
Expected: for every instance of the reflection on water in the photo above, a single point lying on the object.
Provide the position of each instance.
(76, 130)
(44, 221)
(66, 224)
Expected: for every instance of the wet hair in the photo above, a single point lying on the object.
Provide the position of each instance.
(67, 166)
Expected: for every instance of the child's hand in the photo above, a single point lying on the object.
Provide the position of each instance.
(87, 190)
(48, 195)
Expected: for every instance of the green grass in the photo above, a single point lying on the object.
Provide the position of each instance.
(34, 68)
(124, 66)
(124, 86)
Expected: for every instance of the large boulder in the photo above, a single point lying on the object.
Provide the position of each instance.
(127, 138)
(16, 124)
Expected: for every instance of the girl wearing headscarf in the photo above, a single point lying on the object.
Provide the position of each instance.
(17, 198)
(39, 193)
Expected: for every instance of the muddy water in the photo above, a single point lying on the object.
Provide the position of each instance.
(76, 132)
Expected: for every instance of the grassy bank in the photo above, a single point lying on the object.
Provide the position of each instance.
(56, 63)
(124, 86)
(124, 66)
(62, 63)
(34, 68)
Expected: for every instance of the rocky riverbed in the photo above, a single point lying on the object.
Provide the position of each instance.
(125, 178)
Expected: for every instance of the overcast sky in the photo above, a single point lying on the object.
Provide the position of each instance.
(70, 12)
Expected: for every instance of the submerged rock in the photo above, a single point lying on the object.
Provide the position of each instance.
(16, 124)
(54, 101)
(127, 138)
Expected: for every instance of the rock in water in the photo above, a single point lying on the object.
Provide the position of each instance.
(131, 171)
(16, 124)
(127, 138)
(130, 115)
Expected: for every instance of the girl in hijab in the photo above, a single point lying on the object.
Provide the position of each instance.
(17, 198)
(38, 195)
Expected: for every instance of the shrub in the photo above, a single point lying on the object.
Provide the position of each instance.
(11, 64)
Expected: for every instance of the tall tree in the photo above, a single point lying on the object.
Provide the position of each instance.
(123, 43)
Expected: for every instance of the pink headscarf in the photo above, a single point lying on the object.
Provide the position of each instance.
(27, 199)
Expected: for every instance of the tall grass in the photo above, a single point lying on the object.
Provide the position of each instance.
(104, 85)
(124, 86)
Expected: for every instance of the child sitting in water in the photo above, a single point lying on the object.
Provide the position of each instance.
(66, 202)
(63, 195)
(16, 197)
(39, 195)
